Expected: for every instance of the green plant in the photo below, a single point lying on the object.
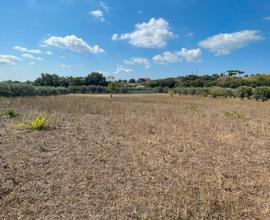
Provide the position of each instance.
(262, 93)
(234, 114)
(113, 87)
(229, 93)
(38, 123)
(171, 93)
(10, 114)
(244, 91)
(192, 107)
(144, 216)
(217, 92)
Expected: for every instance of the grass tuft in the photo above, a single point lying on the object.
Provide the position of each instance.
(234, 114)
(192, 107)
(10, 114)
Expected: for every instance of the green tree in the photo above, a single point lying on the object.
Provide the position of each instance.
(96, 79)
(76, 81)
(229, 93)
(141, 80)
(132, 81)
(217, 92)
(113, 87)
(235, 72)
(244, 91)
(47, 79)
(262, 93)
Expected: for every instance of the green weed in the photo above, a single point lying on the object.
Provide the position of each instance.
(144, 216)
(234, 114)
(38, 123)
(192, 107)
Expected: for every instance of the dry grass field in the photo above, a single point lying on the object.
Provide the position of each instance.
(136, 157)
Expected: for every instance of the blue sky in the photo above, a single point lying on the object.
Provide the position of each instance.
(132, 39)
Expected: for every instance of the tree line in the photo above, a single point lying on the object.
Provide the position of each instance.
(232, 84)
(258, 93)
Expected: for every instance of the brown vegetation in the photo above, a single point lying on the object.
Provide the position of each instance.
(136, 157)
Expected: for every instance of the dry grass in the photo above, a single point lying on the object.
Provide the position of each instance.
(136, 157)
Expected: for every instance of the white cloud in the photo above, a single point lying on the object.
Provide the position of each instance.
(267, 18)
(65, 66)
(191, 55)
(73, 43)
(153, 34)
(104, 6)
(8, 59)
(32, 63)
(121, 69)
(166, 57)
(25, 50)
(225, 43)
(48, 52)
(115, 37)
(98, 14)
(31, 56)
(138, 60)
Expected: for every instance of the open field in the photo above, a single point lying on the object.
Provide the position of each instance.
(136, 157)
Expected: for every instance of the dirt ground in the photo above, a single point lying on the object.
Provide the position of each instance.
(136, 157)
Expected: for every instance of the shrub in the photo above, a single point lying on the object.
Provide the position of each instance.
(4, 89)
(244, 91)
(171, 93)
(217, 92)
(202, 92)
(262, 93)
(10, 114)
(38, 123)
(124, 90)
(229, 93)
(179, 90)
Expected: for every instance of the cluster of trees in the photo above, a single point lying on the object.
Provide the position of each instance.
(46, 79)
(258, 93)
(232, 79)
(95, 78)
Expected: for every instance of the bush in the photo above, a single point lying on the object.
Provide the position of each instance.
(38, 123)
(202, 92)
(5, 89)
(171, 93)
(262, 93)
(229, 93)
(244, 91)
(217, 92)
(124, 90)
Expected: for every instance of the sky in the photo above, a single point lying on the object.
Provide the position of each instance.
(133, 38)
